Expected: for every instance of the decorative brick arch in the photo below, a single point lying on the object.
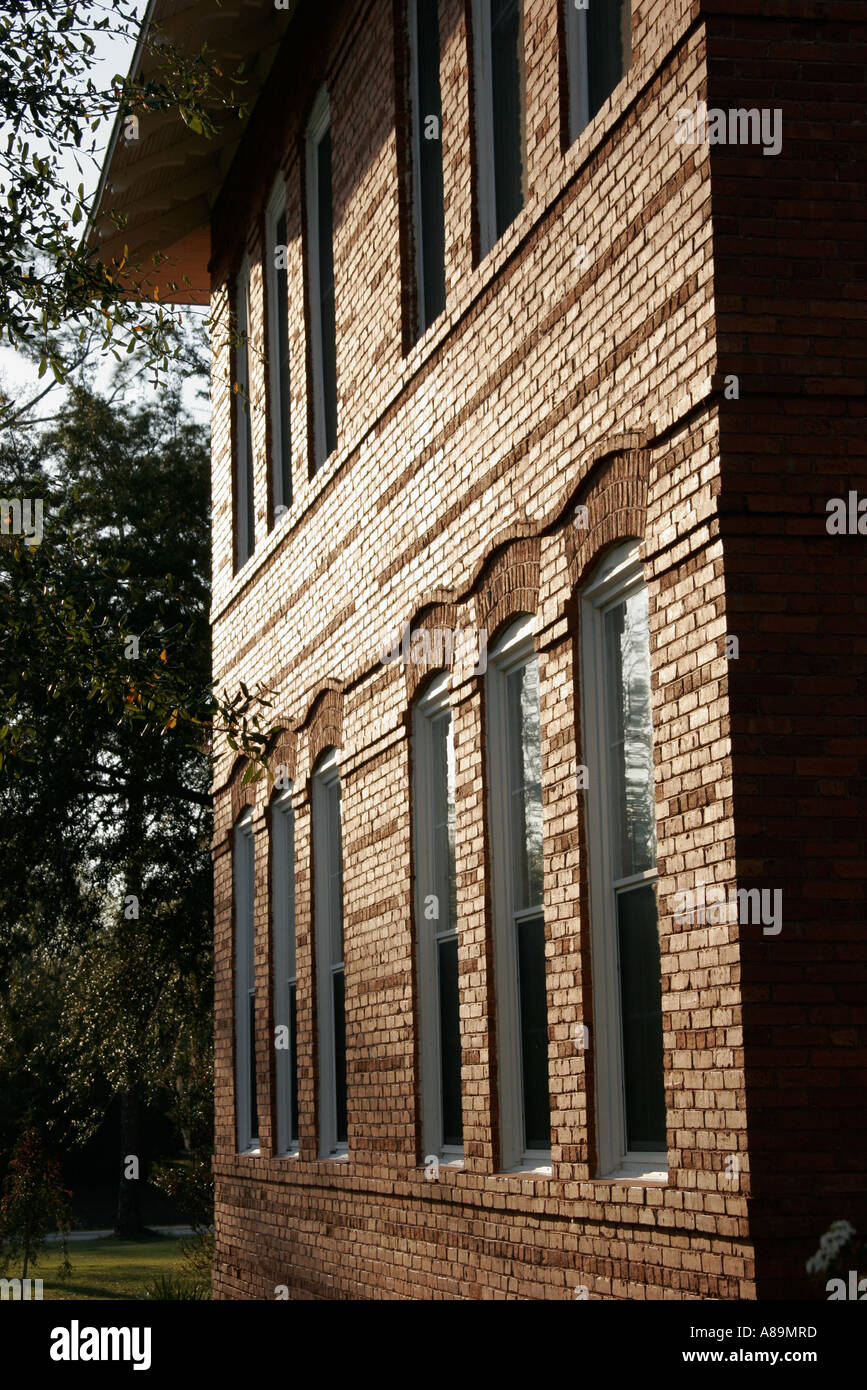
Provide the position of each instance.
(615, 495)
(285, 754)
(324, 720)
(508, 581)
(430, 617)
(242, 796)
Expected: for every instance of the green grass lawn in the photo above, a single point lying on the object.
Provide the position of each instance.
(112, 1267)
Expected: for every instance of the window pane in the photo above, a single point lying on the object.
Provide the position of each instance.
(293, 1065)
(245, 989)
(450, 1042)
(641, 1008)
(283, 406)
(248, 882)
(284, 824)
(443, 807)
(525, 784)
(337, 995)
(251, 1035)
(283, 886)
(627, 681)
(506, 40)
(431, 231)
(326, 291)
(609, 45)
(534, 1033)
(244, 519)
(335, 872)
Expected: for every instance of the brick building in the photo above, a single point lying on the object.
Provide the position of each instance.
(549, 360)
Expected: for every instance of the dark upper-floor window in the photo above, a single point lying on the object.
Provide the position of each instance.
(320, 259)
(498, 46)
(277, 288)
(598, 52)
(244, 517)
(427, 159)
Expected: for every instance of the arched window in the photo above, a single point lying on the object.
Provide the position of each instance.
(515, 775)
(621, 841)
(246, 1105)
(436, 917)
(328, 868)
(285, 973)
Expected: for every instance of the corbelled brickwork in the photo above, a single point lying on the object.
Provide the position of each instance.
(581, 364)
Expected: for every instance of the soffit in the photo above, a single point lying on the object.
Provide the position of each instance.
(165, 182)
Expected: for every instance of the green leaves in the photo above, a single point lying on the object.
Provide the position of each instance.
(53, 102)
(192, 119)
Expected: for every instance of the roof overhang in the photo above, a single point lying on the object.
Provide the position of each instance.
(162, 183)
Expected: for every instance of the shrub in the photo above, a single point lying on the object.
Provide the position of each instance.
(169, 1287)
(34, 1202)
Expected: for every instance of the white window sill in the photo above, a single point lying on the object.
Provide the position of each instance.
(650, 1169)
(335, 1158)
(536, 1167)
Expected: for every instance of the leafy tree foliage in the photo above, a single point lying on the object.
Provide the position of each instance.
(105, 902)
(34, 1203)
(56, 119)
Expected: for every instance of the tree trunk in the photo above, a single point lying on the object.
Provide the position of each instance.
(129, 1218)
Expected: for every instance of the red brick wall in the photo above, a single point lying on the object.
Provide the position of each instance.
(551, 379)
(789, 239)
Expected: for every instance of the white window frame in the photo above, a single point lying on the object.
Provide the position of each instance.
(283, 923)
(326, 774)
(275, 209)
(483, 77)
(577, 71)
(620, 575)
(317, 127)
(435, 702)
(243, 462)
(244, 878)
(514, 649)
